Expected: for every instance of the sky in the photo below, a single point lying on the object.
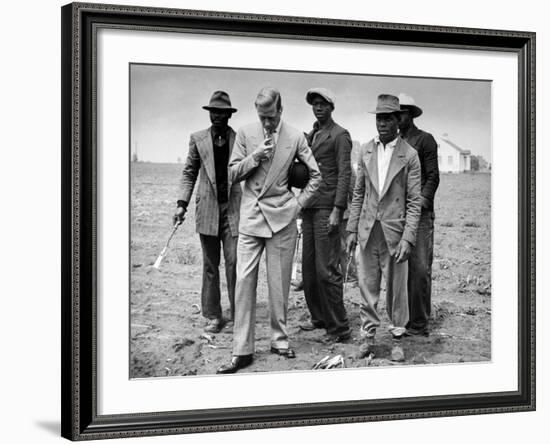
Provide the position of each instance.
(166, 105)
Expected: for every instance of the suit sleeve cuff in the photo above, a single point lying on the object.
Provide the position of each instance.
(409, 237)
(182, 204)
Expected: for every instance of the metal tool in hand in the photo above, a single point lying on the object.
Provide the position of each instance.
(294, 275)
(165, 249)
(350, 257)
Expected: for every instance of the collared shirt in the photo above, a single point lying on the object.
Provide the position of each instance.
(220, 144)
(384, 158)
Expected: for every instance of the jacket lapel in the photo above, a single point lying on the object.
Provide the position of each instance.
(280, 155)
(321, 137)
(319, 140)
(206, 151)
(231, 143)
(397, 162)
(371, 162)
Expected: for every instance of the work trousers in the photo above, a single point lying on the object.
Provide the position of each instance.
(211, 245)
(375, 261)
(279, 256)
(322, 273)
(420, 273)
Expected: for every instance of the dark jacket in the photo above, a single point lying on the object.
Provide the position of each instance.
(332, 151)
(426, 147)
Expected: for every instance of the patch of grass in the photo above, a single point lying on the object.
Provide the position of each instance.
(187, 256)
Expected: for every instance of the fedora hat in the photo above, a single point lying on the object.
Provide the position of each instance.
(386, 104)
(407, 103)
(220, 101)
(299, 174)
(326, 94)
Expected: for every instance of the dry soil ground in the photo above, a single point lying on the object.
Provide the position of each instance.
(166, 323)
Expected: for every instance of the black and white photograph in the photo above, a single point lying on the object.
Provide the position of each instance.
(304, 221)
(275, 222)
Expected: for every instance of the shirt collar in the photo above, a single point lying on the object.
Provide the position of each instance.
(389, 144)
(413, 130)
(329, 125)
(216, 133)
(277, 130)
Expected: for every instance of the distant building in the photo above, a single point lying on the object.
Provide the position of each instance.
(451, 157)
(478, 163)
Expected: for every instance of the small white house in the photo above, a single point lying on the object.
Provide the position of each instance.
(452, 158)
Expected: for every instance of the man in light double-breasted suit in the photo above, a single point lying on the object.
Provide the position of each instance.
(384, 216)
(262, 157)
(217, 206)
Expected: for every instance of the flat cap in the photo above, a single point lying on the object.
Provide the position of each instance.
(326, 94)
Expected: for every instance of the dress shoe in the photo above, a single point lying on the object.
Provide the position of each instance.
(397, 354)
(341, 337)
(310, 325)
(417, 331)
(286, 352)
(237, 362)
(214, 325)
(228, 328)
(365, 349)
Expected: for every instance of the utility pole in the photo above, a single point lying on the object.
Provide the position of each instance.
(135, 155)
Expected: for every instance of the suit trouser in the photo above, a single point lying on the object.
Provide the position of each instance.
(210, 293)
(420, 272)
(321, 272)
(279, 255)
(375, 261)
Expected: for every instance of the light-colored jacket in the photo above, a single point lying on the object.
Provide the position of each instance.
(397, 207)
(268, 205)
(200, 162)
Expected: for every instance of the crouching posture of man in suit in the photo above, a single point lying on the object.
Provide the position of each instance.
(384, 216)
(262, 157)
(217, 206)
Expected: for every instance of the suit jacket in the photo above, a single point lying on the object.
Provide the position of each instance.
(267, 204)
(200, 162)
(398, 205)
(332, 151)
(426, 147)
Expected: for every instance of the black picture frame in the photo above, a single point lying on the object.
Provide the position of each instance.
(80, 420)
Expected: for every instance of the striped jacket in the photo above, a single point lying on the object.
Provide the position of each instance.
(200, 163)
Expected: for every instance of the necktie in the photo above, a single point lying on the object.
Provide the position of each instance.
(271, 135)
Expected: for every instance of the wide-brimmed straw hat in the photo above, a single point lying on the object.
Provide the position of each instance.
(220, 102)
(386, 104)
(407, 103)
